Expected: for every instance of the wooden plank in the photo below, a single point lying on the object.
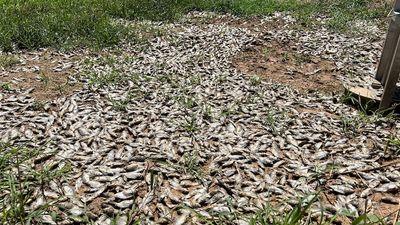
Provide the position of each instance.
(388, 51)
(364, 93)
(392, 79)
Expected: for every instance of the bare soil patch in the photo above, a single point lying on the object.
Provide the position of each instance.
(45, 73)
(383, 208)
(280, 63)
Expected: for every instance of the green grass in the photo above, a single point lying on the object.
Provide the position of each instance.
(19, 181)
(120, 105)
(191, 125)
(42, 23)
(395, 142)
(276, 121)
(5, 86)
(191, 164)
(111, 78)
(255, 80)
(296, 216)
(31, 24)
(187, 101)
(7, 61)
(368, 113)
(38, 105)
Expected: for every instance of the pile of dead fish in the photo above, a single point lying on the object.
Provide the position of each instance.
(175, 134)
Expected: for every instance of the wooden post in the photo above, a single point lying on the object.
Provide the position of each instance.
(389, 47)
(388, 51)
(389, 65)
(392, 78)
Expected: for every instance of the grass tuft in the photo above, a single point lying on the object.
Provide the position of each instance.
(20, 183)
(296, 216)
(191, 164)
(7, 61)
(5, 86)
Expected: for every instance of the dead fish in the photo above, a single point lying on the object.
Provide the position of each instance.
(342, 189)
(388, 187)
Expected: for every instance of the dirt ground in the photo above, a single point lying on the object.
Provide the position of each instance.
(46, 74)
(280, 63)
